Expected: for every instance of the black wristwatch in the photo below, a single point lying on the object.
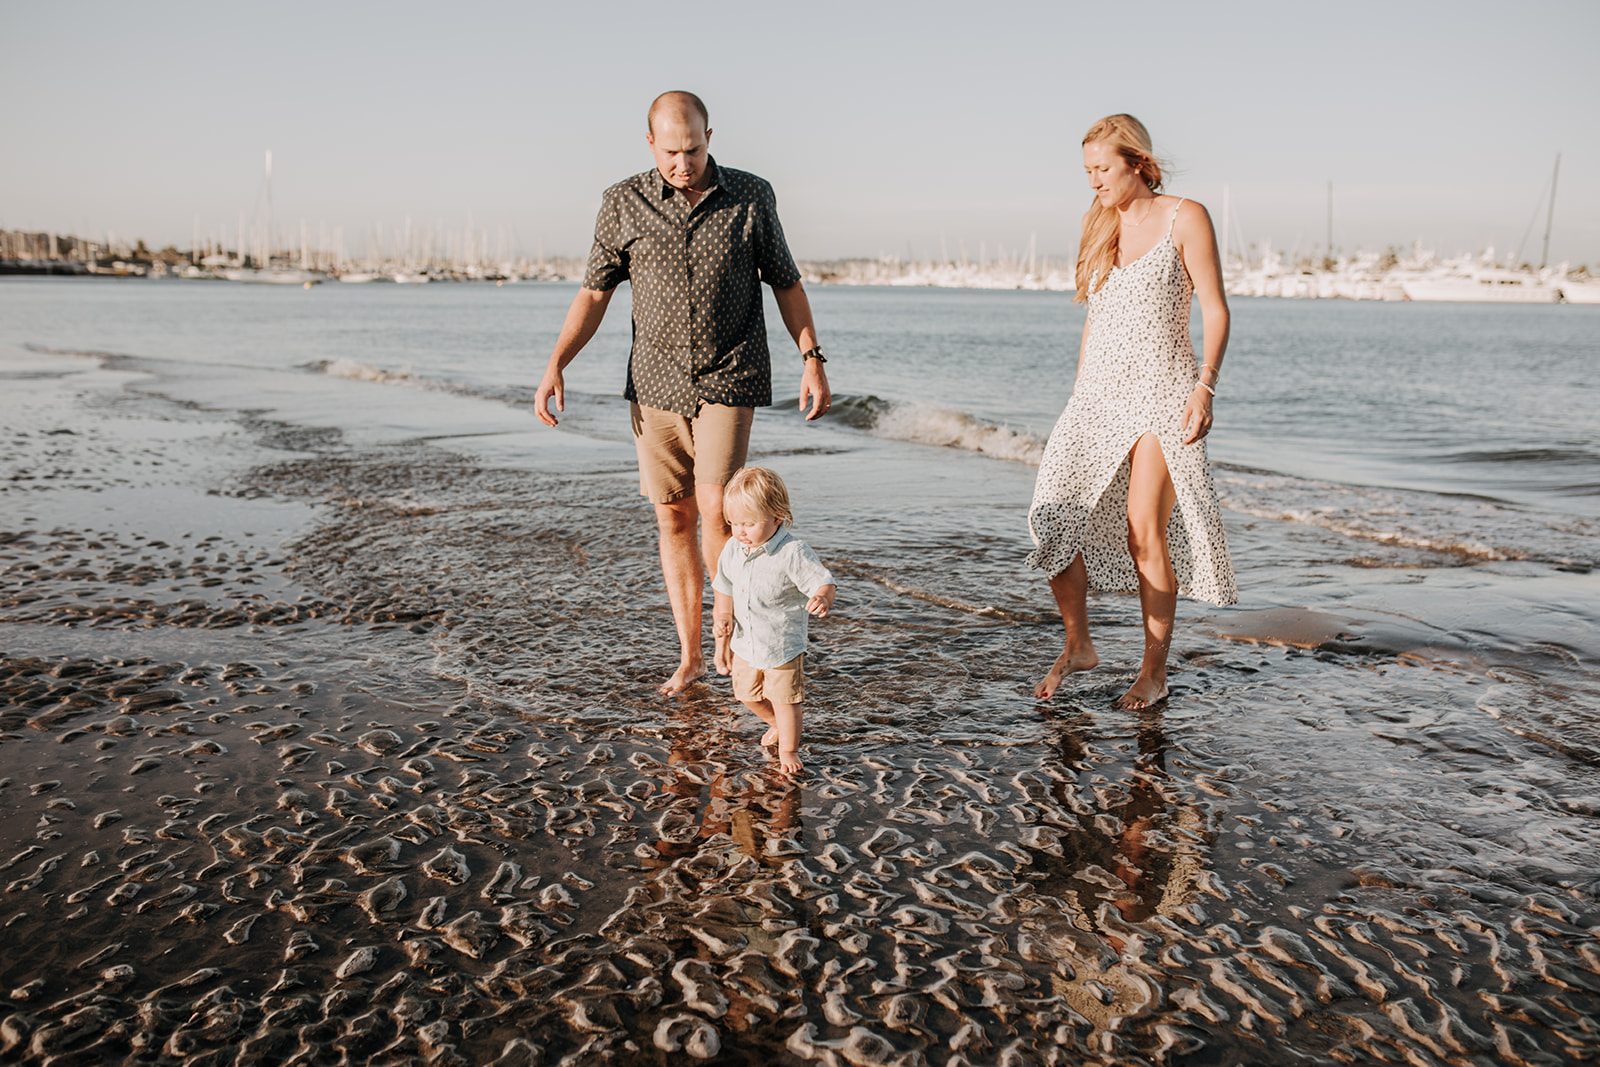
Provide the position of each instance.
(815, 352)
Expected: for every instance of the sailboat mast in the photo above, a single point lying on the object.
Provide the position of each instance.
(266, 258)
(1550, 216)
(1329, 255)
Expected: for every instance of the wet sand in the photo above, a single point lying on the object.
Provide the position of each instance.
(322, 750)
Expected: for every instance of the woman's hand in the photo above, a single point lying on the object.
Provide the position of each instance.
(1197, 415)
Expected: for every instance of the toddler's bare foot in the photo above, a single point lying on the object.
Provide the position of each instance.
(1144, 693)
(685, 676)
(770, 737)
(1069, 662)
(789, 761)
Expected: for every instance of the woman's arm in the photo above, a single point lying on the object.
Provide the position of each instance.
(1197, 244)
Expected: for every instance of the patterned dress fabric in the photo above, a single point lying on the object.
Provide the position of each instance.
(1138, 372)
(699, 335)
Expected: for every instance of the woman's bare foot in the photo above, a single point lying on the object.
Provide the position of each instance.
(1144, 693)
(770, 737)
(1069, 662)
(789, 761)
(685, 676)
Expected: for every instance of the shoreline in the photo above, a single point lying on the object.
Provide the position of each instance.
(355, 764)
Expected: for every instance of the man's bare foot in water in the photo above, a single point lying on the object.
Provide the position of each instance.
(1144, 693)
(685, 676)
(1069, 662)
(770, 737)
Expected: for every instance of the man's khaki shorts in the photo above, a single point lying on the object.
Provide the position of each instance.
(676, 454)
(783, 684)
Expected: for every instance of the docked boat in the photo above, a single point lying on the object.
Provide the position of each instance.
(1581, 291)
(273, 276)
(1487, 285)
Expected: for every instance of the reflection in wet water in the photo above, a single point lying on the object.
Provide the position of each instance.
(360, 803)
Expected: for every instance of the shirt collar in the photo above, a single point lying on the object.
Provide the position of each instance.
(665, 191)
(771, 544)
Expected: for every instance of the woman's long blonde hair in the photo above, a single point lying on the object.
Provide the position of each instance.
(1097, 251)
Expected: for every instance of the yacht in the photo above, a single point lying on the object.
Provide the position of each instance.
(1488, 284)
(1581, 290)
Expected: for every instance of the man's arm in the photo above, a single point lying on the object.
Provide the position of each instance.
(796, 312)
(583, 319)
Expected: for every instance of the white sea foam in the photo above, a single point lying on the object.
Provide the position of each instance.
(1466, 526)
(943, 428)
(365, 372)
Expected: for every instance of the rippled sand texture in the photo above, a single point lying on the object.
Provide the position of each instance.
(405, 796)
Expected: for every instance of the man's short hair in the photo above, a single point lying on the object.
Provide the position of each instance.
(678, 96)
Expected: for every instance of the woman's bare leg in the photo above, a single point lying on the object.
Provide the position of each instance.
(1151, 498)
(1071, 590)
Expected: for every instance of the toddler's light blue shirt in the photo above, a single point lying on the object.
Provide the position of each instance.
(770, 585)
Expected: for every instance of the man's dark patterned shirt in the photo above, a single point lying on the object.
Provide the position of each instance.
(699, 336)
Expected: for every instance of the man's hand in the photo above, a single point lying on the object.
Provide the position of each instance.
(551, 385)
(814, 386)
(796, 312)
(821, 601)
(583, 319)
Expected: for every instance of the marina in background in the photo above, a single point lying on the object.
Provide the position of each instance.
(431, 255)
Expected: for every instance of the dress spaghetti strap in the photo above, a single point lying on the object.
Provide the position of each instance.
(1175, 211)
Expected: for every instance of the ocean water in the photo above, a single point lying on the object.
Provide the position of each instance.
(323, 526)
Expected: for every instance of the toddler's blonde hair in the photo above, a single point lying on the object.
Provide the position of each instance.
(760, 490)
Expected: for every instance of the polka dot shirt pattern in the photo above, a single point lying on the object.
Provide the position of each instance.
(699, 335)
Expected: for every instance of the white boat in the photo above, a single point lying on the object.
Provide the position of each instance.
(411, 278)
(1489, 285)
(359, 276)
(1586, 291)
(273, 276)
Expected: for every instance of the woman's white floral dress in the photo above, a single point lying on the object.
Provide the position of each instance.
(1138, 372)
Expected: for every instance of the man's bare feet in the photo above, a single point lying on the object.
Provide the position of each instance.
(685, 676)
(770, 737)
(1069, 662)
(1144, 693)
(789, 762)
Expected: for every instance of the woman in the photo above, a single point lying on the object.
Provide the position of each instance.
(1124, 498)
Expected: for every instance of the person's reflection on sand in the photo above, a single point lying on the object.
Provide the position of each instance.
(1110, 849)
(764, 822)
(1119, 850)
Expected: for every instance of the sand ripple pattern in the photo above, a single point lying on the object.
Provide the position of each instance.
(202, 883)
(435, 817)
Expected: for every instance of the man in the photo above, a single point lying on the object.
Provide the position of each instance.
(696, 241)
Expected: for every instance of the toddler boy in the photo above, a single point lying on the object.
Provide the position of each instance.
(767, 580)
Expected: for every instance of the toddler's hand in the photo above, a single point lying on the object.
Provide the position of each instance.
(821, 601)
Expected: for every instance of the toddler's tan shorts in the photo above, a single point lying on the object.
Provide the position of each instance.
(783, 684)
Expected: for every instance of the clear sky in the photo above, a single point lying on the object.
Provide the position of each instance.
(883, 126)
